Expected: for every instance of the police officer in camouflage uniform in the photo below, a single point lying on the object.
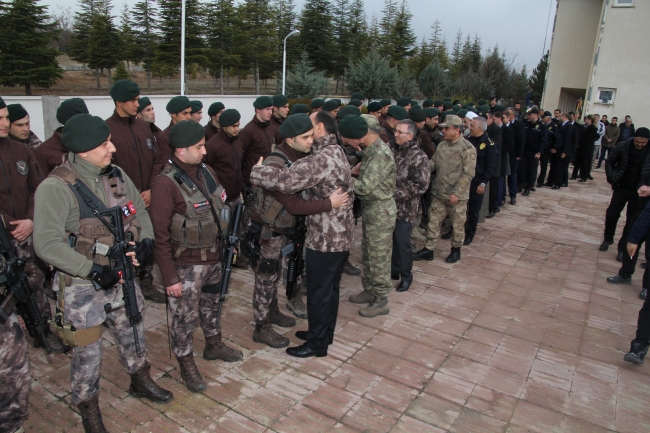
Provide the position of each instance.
(453, 164)
(20, 128)
(375, 187)
(68, 235)
(190, 217)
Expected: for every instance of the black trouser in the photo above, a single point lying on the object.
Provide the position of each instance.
(629, 264)
(323, 280)
(402, 260)
(528, 170)
(512, 178)
(620, 198)
(473, 209)
(577, 167)
(585, 168)
(494, 194)
(643, 323)
(543, 164)
(559, 169)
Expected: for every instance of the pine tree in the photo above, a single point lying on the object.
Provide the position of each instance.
(316, 34)
(103, 46)
(304, 82)
(406, 83)
(224, 38)
(83, 22)
(456, 53)
(260, 36)
(130, 50)
(433, 82)
(372, 75)
(145, 23)
(494, 69)
(536, 81)
(388, 16)
(27, 58)
(473, 86)
(358, 28)
(286, 22)
(402, 36)
(121, 73)
(340, 33)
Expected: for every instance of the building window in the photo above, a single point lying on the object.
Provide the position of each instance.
(623, 3)
(606, 95)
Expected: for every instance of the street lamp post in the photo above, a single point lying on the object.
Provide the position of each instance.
(182, 47)
(284, 57)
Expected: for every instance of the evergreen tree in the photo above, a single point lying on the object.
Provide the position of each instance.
(131, 51)
(433, 82)
(316, 34)
(358, 28)
(27, 58)
(402, 37)
(406, 84)
(145, 23)
(372, 75)
(103, 46)
(260, 35)
(121, 73)
(83, 22)
(341, 37)
(225, 38)
(473, 86)
(286, 22)
(456, 54)
(494, 69)
(536, 81)
(385, 29)
(304, 82)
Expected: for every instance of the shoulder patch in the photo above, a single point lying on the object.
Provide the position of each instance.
(149, 144)
(22, 167)
(482, 146)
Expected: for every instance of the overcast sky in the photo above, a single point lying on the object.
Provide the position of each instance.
(518, 26)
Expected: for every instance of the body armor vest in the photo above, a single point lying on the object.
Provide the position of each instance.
(197, 228)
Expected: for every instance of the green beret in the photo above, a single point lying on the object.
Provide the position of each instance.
(196, 106)
(353, 127)
(178, 104)
(229, 117)
(357, 95)
(447, 99)
(374, 106)
(417, 114)
(299, 108)
(469, 104)
(449, 112)
(355, 102)
(455, 108)
(84, 132)
(280, 100)
(438, 102)
(431, 112)
(2, 104)
(447, 105)
(385, 102)
(462, 113)
(331, 104)
(69, 108)
(499, 108)
(317, 103)
(144, 103)
(473, 110)
(296, 125)
(404, 101)
(185, 133)
(348, 109)
(483, 109)
(481, 102)
(215, 108)
(373, 122)
(397, 112)
(428, 103)
(263, 102)
(125, 90)
(414, 102)
(338, 101)
(16, 112)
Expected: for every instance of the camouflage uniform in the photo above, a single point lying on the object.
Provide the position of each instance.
(35, 269)
(375, 187)
(32, 140)
(14, 375)
(454, 165)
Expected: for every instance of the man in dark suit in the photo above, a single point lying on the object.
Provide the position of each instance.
(496, 135)
(586, 149)
(562, 153)
(507, 146)
(519, 139)
(554, 141)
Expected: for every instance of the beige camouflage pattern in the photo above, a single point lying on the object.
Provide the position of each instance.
(438, 211)
(35, 269)
(377, 177)
(14, 375)
(378, 224)
(413, 177)
(454, 165)
(32, 140)
(266, 285)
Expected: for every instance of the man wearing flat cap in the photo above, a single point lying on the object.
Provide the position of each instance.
(212, 127)
(187, 220)
(275, 218)
(179, 108)
(197, 111)
(280, 112)
(69, 236)
(375, 187)
(20, 126)
(317, 104)
(394, 115)
(147, 114)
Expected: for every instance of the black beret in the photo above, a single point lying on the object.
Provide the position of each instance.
(215, 108)
(144, 103)
(16, 112)
(338, 101)
(357, 95)
(229, 117)
(317, 103)
(353, 127)
(348, 109)
(331, 104)
(125, 90)
(499, 108)
(417, 114)
(481, 102)
(196, 106)
(438, 102)
(458, 102)
(178, 104)
(185, 133)
(299, 108)
(404, 101)
(296, 125)
(70, 107)
(642, 133)
(2, 104)
(447, 105)
(385, 102)
(547, 114)
(431, 112)
(355, 102)
(374, 106)
(280, 100)
(455, 108)
(84, 132)
(397, 112)
(532, 110)
(263, 102)
(427, 103)
(462, 112)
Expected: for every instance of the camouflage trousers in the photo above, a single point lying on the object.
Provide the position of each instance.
(378, 223)
(14, 375)
(35, 268)
(195, 306)
(457, 214)
(266, 285)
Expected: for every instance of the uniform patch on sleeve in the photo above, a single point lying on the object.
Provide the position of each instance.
(149, 144)
(201, 205)
(224, 196)
(22, 167)
(128, 210)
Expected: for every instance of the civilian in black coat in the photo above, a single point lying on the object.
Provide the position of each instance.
(519, 136)
(496, 135)
(507, 146)
(554, 140)
(563, 153)
(586, 149)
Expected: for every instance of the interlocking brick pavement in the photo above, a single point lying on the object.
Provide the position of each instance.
(523, 334)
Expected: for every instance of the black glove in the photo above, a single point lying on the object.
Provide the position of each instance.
(143, 251)
(103, 277)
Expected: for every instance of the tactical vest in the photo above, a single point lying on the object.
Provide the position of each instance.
(197, 228)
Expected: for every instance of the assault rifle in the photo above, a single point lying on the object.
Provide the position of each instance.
(18, 292)
(229, 254)
(293, 252)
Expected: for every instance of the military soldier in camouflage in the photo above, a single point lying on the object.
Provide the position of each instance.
(394, 115)
(375, 187)
(14, 375)
(188, 220)
(453, 163)
(69, 236)
(20, 128)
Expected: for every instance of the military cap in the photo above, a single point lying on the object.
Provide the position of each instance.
(263, 102)
(357, 95)
(458, 102)
(317, 103)
(452, 120)
(331, 104)
(124, 90)
(471, 115)
(373, 122)
(348, 109)
(481, 102)
(355, 102)
(295, 125)
(185, 133)
(428, 103)
(2, 104)
(229, 117)
(485, 108)
(299, 108)
(447, 99)
(404, 101)
(473, 110)
(462, 113)
(353, 127)
(338, 101)
(499, 108)
(469, 104)
(532, 110)
(196, 106)
(280, 100)
(215, 108)
(69, 108)
(438, 102)
(385, 102)
(447, 105)
(547, 114)
(414, 102)
(374, 106)
(16, 112)
(178, 104)
(397, 112)
(455, 108)
(431, 112)
(84, 132)
(144, 103)
(417, 114)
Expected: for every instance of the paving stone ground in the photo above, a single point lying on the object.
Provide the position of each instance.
(523, 334)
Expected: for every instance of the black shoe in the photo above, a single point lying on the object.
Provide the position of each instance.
(565, 185)
(637, 352)
(555, 187)
(403, 286)
(539, 185)
(643, 265)
(394, 276)
(643, 294)
(619, 256)
(468, 240)
(591, 178)
(526, 192)
(605, 246)
(302, 335)
(491, 214)
(617, 279)
(454, 256)
(513, 201)
(304, 351)
(550, 185)
(598, 166)
(447, 235)
(498, 209)
(573, 178)
(532, 188)
(582, 180)
(503, 202)
(423, 254)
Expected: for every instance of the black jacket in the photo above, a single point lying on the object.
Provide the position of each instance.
(553, 136)
(519, 136)
(496, 135)
(587, 138)
(486, 157)
(622, 127)
(618, 160)
(566, 144)
(507, 146)
(536, 137)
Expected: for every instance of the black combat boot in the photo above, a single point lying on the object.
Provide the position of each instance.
(350, 269)
(265, 334)
(638, 351)
(423, 254)
(91, 417)
(149, 291)
(217, 349)
(454, 256)
(190, 373)
(55, 344)
(142, 385)
(277, 318)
